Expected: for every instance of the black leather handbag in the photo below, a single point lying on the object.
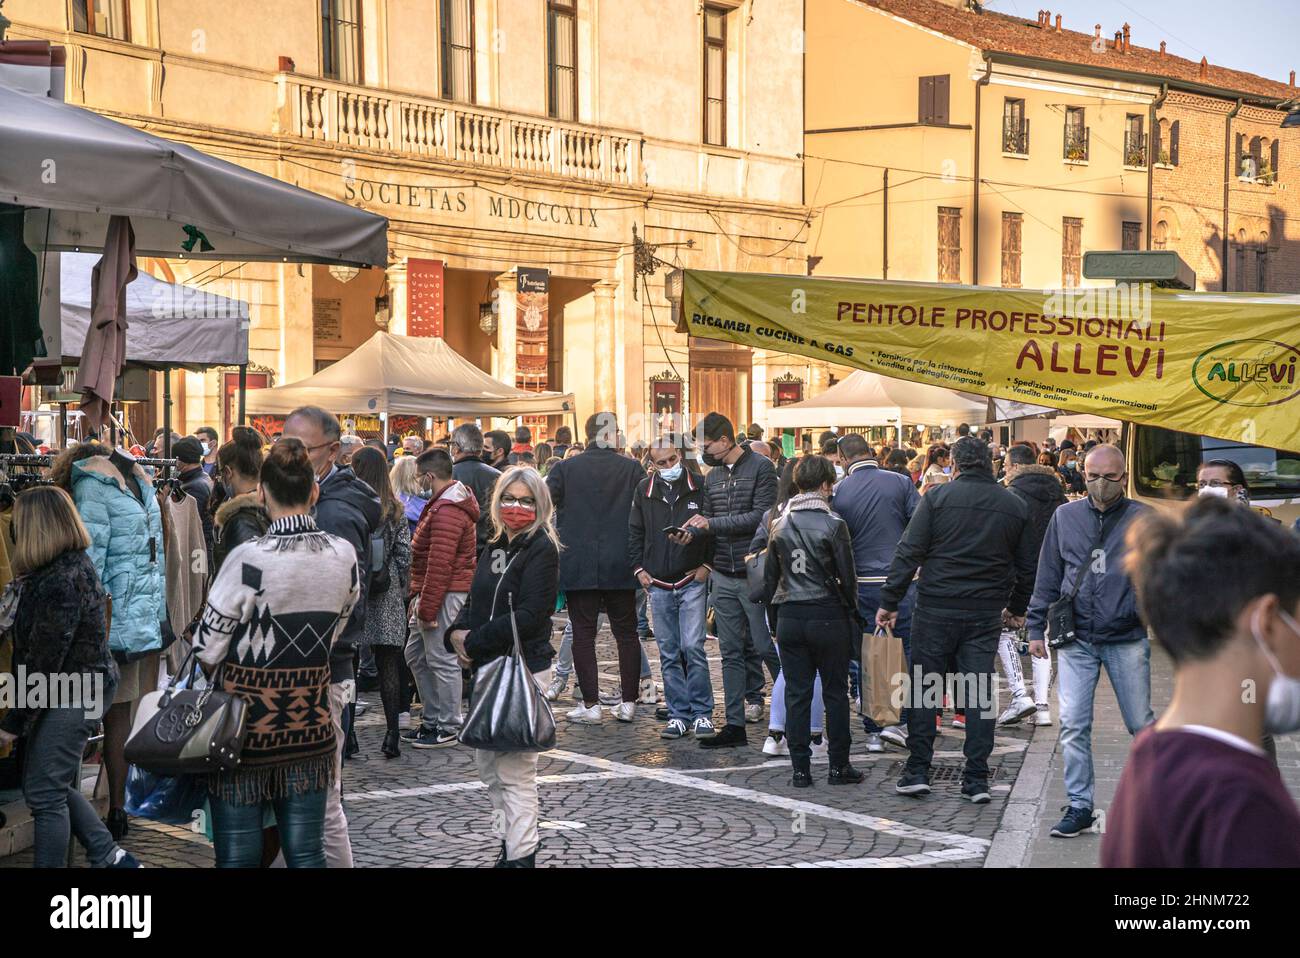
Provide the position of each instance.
(508, 712)
(188, 731)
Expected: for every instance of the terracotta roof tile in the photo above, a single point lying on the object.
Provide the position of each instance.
(1002, 33)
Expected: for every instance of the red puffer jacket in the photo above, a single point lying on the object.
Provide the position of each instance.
(443, 550)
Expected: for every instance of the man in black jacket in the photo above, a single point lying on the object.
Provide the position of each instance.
(1039, 487)
(496, 451)
(975, 547)
(349, 509)
(468, 467)
(195, 482)
(592, 493)
(741, 488)
(674, 568)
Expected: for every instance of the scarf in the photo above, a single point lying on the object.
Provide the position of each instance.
(808, 500)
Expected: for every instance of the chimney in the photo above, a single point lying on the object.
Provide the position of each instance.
(1119, 41)
(1293, 79)
(1126, 38)
(1097, 35)
(1162, 47)
(1205, 69)
(1058, 23)
(1041, 13)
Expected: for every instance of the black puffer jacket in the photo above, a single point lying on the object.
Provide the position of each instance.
(196, 483)
(529, 577)
(481, 479)
(349, 509)
(60, 627)
(738, 498)
(810, 558)
(1041, 490)
(239, 520)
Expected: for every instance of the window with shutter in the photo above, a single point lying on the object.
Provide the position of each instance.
(1241, 268)
(941, 99)
(1012, 225)
(1131, 236)
(458, 50)
(1015, 128)
(1071, 250)
(1173, 143)
(932, 100)
(949, 244)
(1273, 159)
(562, 59)
(715, 76)
(1261, 269)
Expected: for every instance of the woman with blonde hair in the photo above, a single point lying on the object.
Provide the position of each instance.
(519, 569)
(409, 489)
(60, 627)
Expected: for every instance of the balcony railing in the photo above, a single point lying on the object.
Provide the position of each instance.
(1015, 136)
(1076, 144)
(1135, 148)
(316, 109)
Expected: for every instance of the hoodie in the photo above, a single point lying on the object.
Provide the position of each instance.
(1040, 489)
(444, 551)
(349, 509)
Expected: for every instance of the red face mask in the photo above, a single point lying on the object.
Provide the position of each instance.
(517, 517)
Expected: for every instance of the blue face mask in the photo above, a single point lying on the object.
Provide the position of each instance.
(673, 474)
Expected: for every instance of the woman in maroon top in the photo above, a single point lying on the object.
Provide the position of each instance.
(1197, 790)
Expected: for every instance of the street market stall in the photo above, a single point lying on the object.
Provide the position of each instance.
(408, 375)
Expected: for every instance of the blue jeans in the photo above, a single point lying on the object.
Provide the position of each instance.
(300, 819)
(52, 788)
(868, 604)
(679, 619)
(1078, 666)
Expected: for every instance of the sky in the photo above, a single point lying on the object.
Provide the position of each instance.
(1260, 39)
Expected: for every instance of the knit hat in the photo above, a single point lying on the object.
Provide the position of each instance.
(188, 450)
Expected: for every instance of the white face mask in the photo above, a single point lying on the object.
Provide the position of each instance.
(1220, 491)
(839, 471)
(1282, 710)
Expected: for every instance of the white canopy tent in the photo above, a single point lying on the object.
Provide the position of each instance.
(408, 375)
(169, 324)
(869, 399)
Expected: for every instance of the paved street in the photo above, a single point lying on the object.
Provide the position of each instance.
(618, 795)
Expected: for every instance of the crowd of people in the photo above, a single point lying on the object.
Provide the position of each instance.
(335, 564)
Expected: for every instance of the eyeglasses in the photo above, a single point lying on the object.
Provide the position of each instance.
(1089, 476)
(1214, 484)
(527, 502)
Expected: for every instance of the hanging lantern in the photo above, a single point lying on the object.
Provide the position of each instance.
(344, 274)
(487, 318)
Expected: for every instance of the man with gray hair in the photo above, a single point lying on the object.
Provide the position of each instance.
(348, 445)
(469, 468)
(974, 545)
(1083, 558)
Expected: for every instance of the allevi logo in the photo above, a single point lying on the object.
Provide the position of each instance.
(76, 911)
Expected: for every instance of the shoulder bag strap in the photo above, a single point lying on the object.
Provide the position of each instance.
(1101, 536)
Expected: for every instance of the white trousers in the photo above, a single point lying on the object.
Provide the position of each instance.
(511, 780)
(1015, 676)
(338, 847)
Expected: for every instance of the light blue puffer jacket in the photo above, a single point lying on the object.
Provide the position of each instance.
(127, 550)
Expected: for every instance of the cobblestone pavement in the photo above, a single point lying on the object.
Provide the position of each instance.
(619, 795)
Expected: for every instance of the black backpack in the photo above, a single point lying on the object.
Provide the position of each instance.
(381, 579)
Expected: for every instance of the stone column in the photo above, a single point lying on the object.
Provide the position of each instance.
(602, 347)
(397, 297)
(507, 334)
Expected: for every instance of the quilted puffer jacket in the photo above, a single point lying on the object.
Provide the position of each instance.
(443, 553)
(126, 548)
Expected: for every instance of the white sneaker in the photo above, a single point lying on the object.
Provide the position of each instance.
(775, 746)
(556, 688)
(404, 720)
(1043, 715)
(585, 716)
(649, 692)
(625, 711)
(874, 744)
(1021, 707)
(819, 750)
(754, 712)
(895, 735)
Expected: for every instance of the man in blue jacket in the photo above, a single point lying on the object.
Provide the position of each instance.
(877, 505)
(1083, 554)
(349, 509)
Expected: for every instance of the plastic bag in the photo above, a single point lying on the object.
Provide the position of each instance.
(163, 798)
(508, 712)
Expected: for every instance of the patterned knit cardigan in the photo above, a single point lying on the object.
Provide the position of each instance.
(276, 607)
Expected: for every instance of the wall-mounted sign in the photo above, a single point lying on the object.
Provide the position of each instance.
(439, 199)
(327, 320)
(532, 327)
(424, 298)
(787, 389)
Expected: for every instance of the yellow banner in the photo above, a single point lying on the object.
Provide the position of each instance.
(1216, 364)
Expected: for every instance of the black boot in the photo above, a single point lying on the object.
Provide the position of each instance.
(802, 778)
(502, 861)
(117, 823)
(528, 861)
(351, 746)
(843, 775)
(392, 746)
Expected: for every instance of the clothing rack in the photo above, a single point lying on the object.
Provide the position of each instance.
(25, 460)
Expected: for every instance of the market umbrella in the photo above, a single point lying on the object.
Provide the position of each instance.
(105, 348)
